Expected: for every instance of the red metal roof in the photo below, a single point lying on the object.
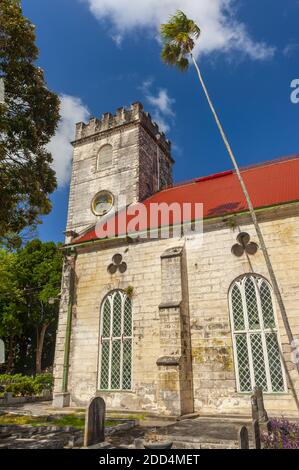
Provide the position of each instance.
(268, 184)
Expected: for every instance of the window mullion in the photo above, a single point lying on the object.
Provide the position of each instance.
(267, 365)
(236, 362)
(259, 304)
(276, 330)
(122, 341)
(250, 358)
(263, 336)
(101, 347)
(110, 341)
(246, 320)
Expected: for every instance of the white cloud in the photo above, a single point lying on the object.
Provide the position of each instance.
(117, 38)
(162, 103)
(221, 30)
(161, 121)
(72, 110)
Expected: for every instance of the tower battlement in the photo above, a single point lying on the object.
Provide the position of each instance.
(124, 155)
(123, 117)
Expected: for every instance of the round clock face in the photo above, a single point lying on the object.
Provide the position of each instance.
(102, 203)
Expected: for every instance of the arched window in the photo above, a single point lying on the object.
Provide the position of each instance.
(256, 347)
(116, 342)
(104, 159)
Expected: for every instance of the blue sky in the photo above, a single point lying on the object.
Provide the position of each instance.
(103, 54)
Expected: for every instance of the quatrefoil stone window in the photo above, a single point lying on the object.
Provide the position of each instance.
(117, 265)
(244, 245)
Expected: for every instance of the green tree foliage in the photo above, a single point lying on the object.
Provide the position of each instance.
(28, 120)
(178, 36)
(12, 305)
(29, 278)
(39, 267)
(20, 385)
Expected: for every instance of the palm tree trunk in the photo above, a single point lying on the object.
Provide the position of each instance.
(252, 213)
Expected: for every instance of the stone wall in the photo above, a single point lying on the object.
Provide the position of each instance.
(175, 387)
(155, 166)
(121, 178)
(133, 171)
(93, 283)
(211, 268)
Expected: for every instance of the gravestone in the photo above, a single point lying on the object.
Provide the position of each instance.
(257, 406)
(256, 434)
(254, 408)
(94, 432)
(262, 413)
(243, 438)
(2, 352)
(260, 420)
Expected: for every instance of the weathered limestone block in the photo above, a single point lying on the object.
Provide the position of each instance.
(211, 270)
(175, 376)
(162, 378)
(61, 397)
(141, 162)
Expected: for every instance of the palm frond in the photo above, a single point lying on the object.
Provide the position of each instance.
(179, 23)
(182, 64)
(170, 54)
(178, 36)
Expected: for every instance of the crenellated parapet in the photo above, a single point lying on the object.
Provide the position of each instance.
(124, 116)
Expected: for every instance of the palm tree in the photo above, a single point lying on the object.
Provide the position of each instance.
(179, 36)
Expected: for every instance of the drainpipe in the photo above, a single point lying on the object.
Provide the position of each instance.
(71, 260)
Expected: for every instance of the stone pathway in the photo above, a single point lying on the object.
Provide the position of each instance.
(189, 434)
(205, 433)
(39, 437)
(201, 432)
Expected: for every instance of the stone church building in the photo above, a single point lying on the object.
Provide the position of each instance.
(181, 324)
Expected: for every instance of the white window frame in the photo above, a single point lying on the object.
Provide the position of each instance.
(240, 282)
(122, 338)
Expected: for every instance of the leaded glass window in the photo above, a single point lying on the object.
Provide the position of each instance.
(116, 342)
(256, 346)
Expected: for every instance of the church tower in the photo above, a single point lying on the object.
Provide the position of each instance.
(122, 155)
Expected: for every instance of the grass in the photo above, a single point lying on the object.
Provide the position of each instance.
(73, 420)
(138, 416)
(70, 420)
(21, 420)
